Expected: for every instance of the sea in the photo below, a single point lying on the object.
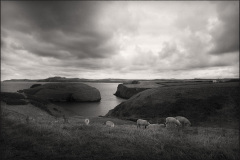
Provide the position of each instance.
(108, 100)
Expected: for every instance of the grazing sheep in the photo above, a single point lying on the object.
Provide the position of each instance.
(162, 125)
(156, 126)
(184, 121)
(171, 121)
(152, 126)
(110, 124)
(87, 121)
(141, 122)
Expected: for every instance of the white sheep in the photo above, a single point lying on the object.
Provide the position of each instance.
(156, 126)
(110, 124)
(153, 126)
(87, 121)
(184, 121)
(162, 125)
(171, 121)
(141, 122)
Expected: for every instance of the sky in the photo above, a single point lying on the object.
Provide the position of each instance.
(120, 39)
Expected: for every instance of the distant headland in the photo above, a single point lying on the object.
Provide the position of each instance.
(64, 79)
(108, 80)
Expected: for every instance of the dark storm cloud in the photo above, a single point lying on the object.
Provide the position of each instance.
(55, 28)
(91, 64)
(123, 39)
(226, 34)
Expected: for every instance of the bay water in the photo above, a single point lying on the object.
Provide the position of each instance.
(108, 100)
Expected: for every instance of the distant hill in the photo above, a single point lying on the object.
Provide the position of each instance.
(61, 79)
(116, 80)
(20, 80)
(64, 79)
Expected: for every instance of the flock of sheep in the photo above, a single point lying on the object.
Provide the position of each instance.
(178, 121)
(174, 122)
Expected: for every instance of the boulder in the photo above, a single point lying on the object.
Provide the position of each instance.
(57, 92)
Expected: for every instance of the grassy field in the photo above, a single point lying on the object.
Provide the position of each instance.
(46, 137)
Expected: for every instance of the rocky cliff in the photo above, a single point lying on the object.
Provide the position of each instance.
(128, 90)
(77, 92)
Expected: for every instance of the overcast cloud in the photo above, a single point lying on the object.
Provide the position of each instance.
(120, 39)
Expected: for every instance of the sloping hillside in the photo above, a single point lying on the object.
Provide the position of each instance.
(45, 137)
(206, 104)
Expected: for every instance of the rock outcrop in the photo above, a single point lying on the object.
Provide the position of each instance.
(128, 90)
(57, 92)
(197, 102)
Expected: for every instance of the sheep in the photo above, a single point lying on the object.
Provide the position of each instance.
(172, 121)
(87, 121)
(110, 124)
(156, 126)
(141, 122)
(184, 121)
(153, 126)
(162, 125)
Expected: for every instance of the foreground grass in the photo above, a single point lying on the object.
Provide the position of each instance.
(53, 139)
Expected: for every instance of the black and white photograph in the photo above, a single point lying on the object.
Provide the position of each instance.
(119, 80)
